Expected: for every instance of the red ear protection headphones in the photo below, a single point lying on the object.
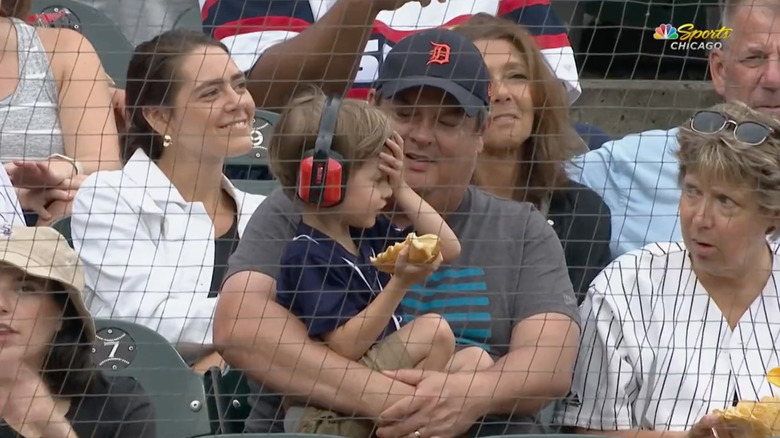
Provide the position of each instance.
(321, 177)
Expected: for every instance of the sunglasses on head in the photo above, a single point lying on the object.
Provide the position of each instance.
(712, 122)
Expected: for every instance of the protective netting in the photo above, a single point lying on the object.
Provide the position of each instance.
(569, 249)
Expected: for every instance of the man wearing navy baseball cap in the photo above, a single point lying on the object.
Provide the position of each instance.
(437, 58)
(509, 291)
(435, 86)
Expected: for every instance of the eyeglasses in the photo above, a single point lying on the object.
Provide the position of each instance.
(749, 133)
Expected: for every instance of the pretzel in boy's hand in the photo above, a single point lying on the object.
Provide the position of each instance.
(422, 249)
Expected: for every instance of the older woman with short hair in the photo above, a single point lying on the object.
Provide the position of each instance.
(673, 331)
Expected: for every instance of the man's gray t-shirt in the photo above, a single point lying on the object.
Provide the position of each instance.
(511, 267)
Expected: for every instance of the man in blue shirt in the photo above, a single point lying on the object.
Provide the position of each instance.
(637, 175)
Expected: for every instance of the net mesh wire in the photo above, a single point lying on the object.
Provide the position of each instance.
(154, 240)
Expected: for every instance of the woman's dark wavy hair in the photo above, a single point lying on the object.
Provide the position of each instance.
(68, 369)
(152, 82)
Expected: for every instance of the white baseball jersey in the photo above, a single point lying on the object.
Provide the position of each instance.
(658, 354)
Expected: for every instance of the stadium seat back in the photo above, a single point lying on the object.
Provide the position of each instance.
(104, 34)
(254, 165)
(190, 19)
(62, 225)
(177, 393)
(231, 392)
(256, 187)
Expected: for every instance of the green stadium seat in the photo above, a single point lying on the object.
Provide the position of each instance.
(177, 393)
(189, 19)
(111, 45)
(63, 226)
(256, 187)
(263, 128)
(230, 392)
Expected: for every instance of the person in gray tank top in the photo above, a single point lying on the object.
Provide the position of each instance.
(56, 121)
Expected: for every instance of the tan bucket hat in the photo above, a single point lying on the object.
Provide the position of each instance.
(44, 253)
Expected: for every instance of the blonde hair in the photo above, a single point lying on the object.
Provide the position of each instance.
(361, 132)
(721, 157)
(554, 141)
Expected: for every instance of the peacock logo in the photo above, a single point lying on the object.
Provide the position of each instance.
(665, 32)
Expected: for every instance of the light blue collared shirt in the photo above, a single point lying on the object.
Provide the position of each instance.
(637, 178)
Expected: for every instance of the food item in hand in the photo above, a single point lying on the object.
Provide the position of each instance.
(385, 261)
(758, 419)
(773, 377)
(422, 249)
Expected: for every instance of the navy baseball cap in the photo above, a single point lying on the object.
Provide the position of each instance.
(438, 58)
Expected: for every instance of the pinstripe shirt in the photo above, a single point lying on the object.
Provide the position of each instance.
(658, 354)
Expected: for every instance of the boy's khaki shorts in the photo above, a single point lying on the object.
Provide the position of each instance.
(389, 354)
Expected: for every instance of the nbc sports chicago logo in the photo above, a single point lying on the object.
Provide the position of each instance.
(687, 37)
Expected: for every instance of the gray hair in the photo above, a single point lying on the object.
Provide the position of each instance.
(721, 157)
(730, 7)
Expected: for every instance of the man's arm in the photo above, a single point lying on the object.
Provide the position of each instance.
(326, 53)
(257, 335)
(537, 369)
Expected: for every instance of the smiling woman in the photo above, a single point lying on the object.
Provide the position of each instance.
(189, 111)
(529, 139)
(674, 331)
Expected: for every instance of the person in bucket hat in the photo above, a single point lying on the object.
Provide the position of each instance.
(48, 384)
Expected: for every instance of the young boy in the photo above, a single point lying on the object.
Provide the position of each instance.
(326, 277)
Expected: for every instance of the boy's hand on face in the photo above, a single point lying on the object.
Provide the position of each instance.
(392, 163)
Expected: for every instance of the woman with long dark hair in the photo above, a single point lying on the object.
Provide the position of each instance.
(155, 236)
(49, 386)
(529, 140)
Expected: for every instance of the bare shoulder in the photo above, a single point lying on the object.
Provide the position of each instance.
(57, 40)
(66, 49)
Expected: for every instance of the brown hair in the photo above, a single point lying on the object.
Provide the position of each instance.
(153, 81)
(553, 141)
(721, 157)
(361, 132)
(15, 8)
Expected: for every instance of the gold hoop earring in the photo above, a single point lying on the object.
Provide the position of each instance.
(167, 141)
